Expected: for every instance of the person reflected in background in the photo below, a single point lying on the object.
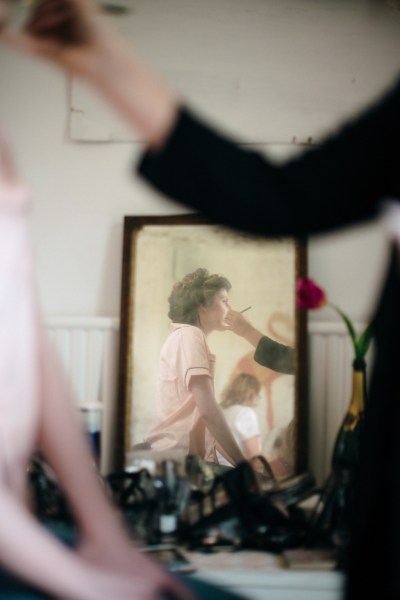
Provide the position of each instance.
(187, 415)
(239, 398)
(271, 360)
(346, 180)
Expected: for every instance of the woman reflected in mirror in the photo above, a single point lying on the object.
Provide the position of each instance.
(187, 415)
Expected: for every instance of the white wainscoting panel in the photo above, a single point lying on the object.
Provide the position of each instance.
(88, 348)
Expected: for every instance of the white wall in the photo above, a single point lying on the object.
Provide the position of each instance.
(82, 191)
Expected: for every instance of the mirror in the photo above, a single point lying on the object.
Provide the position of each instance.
(157, 252)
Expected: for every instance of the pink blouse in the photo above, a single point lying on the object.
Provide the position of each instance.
(177, 422)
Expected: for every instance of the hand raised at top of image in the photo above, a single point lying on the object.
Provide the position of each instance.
(78, 37)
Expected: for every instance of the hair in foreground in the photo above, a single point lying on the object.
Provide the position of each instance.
(194, 290)
(241, 390)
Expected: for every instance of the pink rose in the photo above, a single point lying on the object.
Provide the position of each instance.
(309, 295)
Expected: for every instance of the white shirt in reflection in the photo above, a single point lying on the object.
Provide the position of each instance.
(243, 422)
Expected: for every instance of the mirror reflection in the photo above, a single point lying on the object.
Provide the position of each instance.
(210, 344)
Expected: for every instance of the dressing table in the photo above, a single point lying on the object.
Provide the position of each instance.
(260, 576)
(256, 575)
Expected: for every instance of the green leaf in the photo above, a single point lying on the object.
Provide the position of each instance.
(349, 326)
(363, 342)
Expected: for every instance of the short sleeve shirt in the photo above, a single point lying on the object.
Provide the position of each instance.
(177, 423)
(243, 423)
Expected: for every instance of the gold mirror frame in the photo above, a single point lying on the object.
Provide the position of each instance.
(159, 250)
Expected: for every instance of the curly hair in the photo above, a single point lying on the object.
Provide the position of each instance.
(238, 391)
(194, 290)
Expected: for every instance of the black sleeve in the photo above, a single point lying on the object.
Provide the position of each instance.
(338, 183)
(275, 356)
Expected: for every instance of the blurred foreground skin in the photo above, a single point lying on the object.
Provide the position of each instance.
(36, 414)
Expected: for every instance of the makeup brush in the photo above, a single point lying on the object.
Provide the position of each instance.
(244, 310)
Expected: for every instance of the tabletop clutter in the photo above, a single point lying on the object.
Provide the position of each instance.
(190, 504)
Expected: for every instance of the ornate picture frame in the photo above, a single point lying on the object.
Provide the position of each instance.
(159, 250)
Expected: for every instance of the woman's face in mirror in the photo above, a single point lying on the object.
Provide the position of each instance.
(212, 316)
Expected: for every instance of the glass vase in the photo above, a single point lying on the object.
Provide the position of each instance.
(333, 515)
